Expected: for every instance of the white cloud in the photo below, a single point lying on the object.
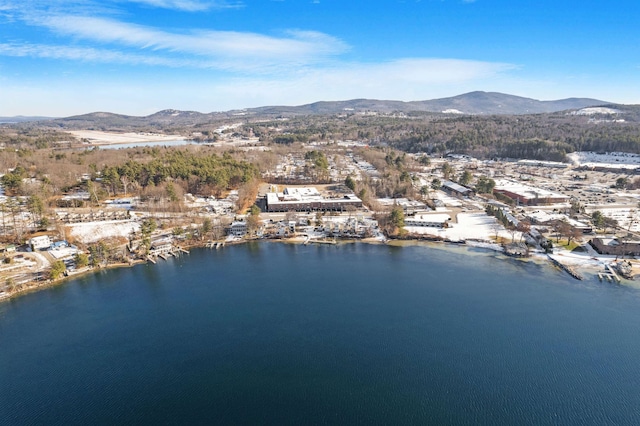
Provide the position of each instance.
(188, 5)
(221, 49)
(87, 54)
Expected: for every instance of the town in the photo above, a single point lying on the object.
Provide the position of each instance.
(578, 214)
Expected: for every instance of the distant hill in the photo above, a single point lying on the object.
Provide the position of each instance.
(474, 103)
(484, 103)
(22, 119)
(500, 103)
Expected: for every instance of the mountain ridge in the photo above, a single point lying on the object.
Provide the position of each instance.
(472, 103)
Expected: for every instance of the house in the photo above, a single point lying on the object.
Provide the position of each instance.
(42, 242)
(238, 229)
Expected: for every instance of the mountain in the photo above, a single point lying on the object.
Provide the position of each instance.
(484, 103)
(474, 103)
(500, 103)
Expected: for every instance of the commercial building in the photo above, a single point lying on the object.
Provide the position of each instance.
(438, 220)
(613, 246)
(528, 195)
(456, 189)
(308, 199)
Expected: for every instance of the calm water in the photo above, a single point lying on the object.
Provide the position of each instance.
(355, 334)
(159, 144)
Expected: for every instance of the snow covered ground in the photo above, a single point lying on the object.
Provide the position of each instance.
(446, 199)
(91, 232)
(476, 226)
(617, 158)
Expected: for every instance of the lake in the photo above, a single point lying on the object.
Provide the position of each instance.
(272, 333)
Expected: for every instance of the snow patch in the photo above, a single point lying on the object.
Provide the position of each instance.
(596, 110)
(91, 232)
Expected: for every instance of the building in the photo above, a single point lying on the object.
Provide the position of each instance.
(40, 243)
(428, 220)
(238, 229)
(528, 195)
(541, 217)
(456, 189)
(613, 246)
(308, 199)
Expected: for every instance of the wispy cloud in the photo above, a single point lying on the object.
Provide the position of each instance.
(227, 49)
(189, 5)
(88, 54)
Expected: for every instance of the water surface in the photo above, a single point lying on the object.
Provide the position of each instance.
(350, 334)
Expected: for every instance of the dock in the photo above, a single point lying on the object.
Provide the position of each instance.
(321, 242)
(568, 269)
(612, 273)
(162, 256)
(151, 259)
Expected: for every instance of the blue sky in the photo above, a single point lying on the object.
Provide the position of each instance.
(65, 57)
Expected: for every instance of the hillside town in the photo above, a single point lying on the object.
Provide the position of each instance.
(580, 214)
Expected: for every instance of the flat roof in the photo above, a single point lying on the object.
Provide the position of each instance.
(526, 190)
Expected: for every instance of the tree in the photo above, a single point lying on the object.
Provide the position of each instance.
(576, 206)
(397, 216)
(621, 183)
(447, 170)
(253, 219)
(146, 229)
(13, 181)
(465, 178)
(81, 260)
(485, 185)
(424, 191)
(436, 184)
(524, 226)
(57, 269)
(206, 228)
(598, 219)
(350, 183)
(36, 208)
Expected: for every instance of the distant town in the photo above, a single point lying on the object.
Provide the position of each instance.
(73, 201)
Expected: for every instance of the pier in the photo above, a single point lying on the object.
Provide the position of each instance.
(568, 269)
(612, 273)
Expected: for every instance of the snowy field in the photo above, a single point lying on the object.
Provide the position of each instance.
(92, 232)
(617, 158)
(446, 199)
(98, 137)
(475, 226)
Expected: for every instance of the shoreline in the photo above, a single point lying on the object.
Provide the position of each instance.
(592, 268)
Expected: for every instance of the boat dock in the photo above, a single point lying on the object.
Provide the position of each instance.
(612, 274)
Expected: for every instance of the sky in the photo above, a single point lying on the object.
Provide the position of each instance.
(66, 57)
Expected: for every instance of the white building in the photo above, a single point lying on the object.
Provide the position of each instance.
(40, 243)
(428, 220)
(238, 229)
